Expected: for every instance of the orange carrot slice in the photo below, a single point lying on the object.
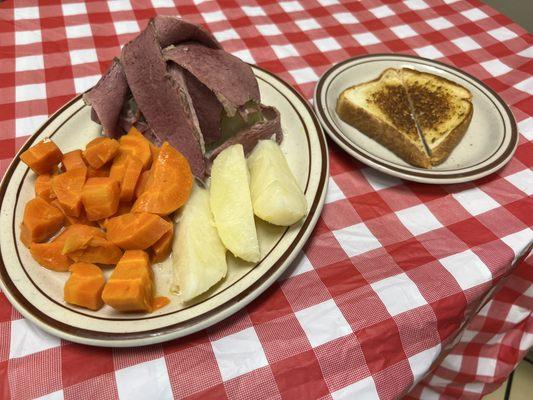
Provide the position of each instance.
(100, 151)
(50, 256)
(161, 249)
(100, 198)
(130, 287)
(132, 173)
(136, 231)
(135, 144)
(84, 286)
(73, 160)
(43, 187)
(43, 157)
(40, 221)
(169, 186)
(67, 188)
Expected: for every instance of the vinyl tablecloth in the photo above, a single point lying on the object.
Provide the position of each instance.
(389, 296)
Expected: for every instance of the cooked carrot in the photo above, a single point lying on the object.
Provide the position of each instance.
(135, 144)
(84, 286)
(100, 172)
(154, 150)
(136, 231)
(85, 243)
(130, 287)
(100, 198)
(123, 208)
(118, 167)
(43, 187)
(70, 220)
(40, 221)
(100, 151)
(143, 181)
(161, 249)
(132, 172)
(170, 183)
(49, 255)
(73, 160)
(79, 236)
(67, 187)
(160, 302)
(99, 251)
(43, 157)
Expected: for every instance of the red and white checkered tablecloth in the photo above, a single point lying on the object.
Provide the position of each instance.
(383, 300)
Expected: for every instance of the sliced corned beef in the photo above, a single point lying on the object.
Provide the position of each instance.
(107, 97)
(157, 98)
(248, 137)
(208, 108)
(229, 78)
(171, 30)
(176, 74)
(175, 83)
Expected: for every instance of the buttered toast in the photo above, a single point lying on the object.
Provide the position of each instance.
(380, 109)
(419, 116)
(442, 110)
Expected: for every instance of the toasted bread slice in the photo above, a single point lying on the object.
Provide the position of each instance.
(442, 110)
(380, 109)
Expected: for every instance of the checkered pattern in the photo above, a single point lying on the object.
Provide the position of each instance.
(389, 285)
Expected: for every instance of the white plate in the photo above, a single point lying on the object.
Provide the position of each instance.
(38, 293)
(488, 145)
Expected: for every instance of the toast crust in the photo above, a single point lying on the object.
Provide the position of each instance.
(381, 132)
(440, 78)
(445, 148)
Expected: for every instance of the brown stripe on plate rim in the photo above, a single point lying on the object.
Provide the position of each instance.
(97, 335)
(319, 107)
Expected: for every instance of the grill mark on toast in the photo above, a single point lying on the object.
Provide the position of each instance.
(392, 100)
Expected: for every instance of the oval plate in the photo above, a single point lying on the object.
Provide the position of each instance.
(38, 293)
(488, 145)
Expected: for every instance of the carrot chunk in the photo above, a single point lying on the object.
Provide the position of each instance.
(118, 167)
(142, 183)
(132, 173)
(169, 186)
(67, 188)
(154, 150)
(84, 286)
(73, 160)
(40, 221)
(78, 236)
(99, 251)
(136, 231)
(70, 220)
(100, 172)
(130, 287)
(100, 151)
(43, 157)
(100, 198)
(83, 243)
(50, 256)
(43, 187)
(135, 144)
(161, 249)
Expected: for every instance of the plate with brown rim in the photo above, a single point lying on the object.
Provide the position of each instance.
(37, 293)
(487, 146)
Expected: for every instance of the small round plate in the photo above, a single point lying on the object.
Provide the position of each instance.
(38, 293)
(488, 145)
